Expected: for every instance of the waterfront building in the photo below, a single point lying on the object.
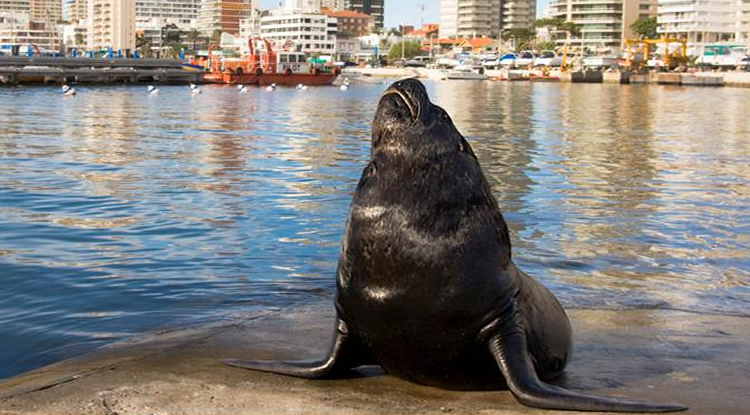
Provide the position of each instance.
(313, 33)
(152, 15)
(375, 8)
(350, 22)
(15, 5)
(517, 14)
(223, 16)
(74, 35)
(347, 47)
(743, 22)
(111, 24)
(48, 11)
(699, 21)
(484, 18)
(75, 10)
(604, 24)
(250, 27)
(18, 30)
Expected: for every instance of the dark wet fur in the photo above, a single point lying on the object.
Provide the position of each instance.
(426, 285)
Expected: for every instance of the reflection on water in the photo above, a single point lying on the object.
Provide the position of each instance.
(121, 212)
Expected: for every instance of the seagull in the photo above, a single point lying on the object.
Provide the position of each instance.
(194, 89)
(68, 91)
(153, 90)
(271, 87)
(302, 87)
(241, 88)
(345, 87)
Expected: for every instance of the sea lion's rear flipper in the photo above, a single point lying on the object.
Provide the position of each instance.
(345, 353)
(508, 347)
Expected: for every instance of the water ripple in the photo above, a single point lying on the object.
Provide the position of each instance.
(121, 212)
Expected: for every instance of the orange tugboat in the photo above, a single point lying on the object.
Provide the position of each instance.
(266, 68)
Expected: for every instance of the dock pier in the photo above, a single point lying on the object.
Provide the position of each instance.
(41, 70)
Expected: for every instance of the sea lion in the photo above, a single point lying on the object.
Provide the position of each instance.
(426, 287)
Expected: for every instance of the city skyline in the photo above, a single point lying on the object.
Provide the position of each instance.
(407, 12)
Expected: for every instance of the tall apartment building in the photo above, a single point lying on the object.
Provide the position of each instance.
(475, 18)
(17, 30)
(375, 8)
(700, 21)
(48, 11)
(152, 15)
(743, 22)
(603, 23)
(517, 14)
(15, 5)
(334, 4)
(75, 10)
(111, 24)
(223, 15)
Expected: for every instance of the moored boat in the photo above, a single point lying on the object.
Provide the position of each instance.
(267, 67)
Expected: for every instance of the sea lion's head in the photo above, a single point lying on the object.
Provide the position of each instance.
(423, 182)
(407, 122)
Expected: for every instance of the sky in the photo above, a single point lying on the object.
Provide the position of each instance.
(407, 12)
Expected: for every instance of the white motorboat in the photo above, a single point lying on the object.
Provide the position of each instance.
(467, 72)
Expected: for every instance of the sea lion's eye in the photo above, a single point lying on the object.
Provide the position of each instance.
(461, 148)
(371, 169)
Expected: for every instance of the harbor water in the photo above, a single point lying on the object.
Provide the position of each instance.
(123, 212)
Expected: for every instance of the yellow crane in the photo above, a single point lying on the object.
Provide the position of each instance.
(633, 46)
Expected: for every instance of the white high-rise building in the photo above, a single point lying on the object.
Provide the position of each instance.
(304, 32)
(47, 11)
(75, 10)
(477, 18)
(699, 21)
(15, 5)
(604, 24)
(743, 22)
(152, 15)
(111, 24)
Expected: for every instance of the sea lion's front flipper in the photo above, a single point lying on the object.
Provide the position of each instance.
(345, 353)
(508, 347)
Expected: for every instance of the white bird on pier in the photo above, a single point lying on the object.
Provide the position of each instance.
(194, 89)
(241, 88)
(68, 91)
(153, 90)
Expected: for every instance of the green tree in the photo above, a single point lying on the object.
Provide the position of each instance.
(521, 37)
(556, 24)
(216, 36)
(546, 45)
(143, 45)
(79, 40)
(193, 36)
(645, 27)
(408, 49)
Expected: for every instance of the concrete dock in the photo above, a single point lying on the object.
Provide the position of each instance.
(15, 70)
(666, 356)
(707, 78)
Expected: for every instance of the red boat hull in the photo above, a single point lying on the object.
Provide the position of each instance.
(270, 78)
